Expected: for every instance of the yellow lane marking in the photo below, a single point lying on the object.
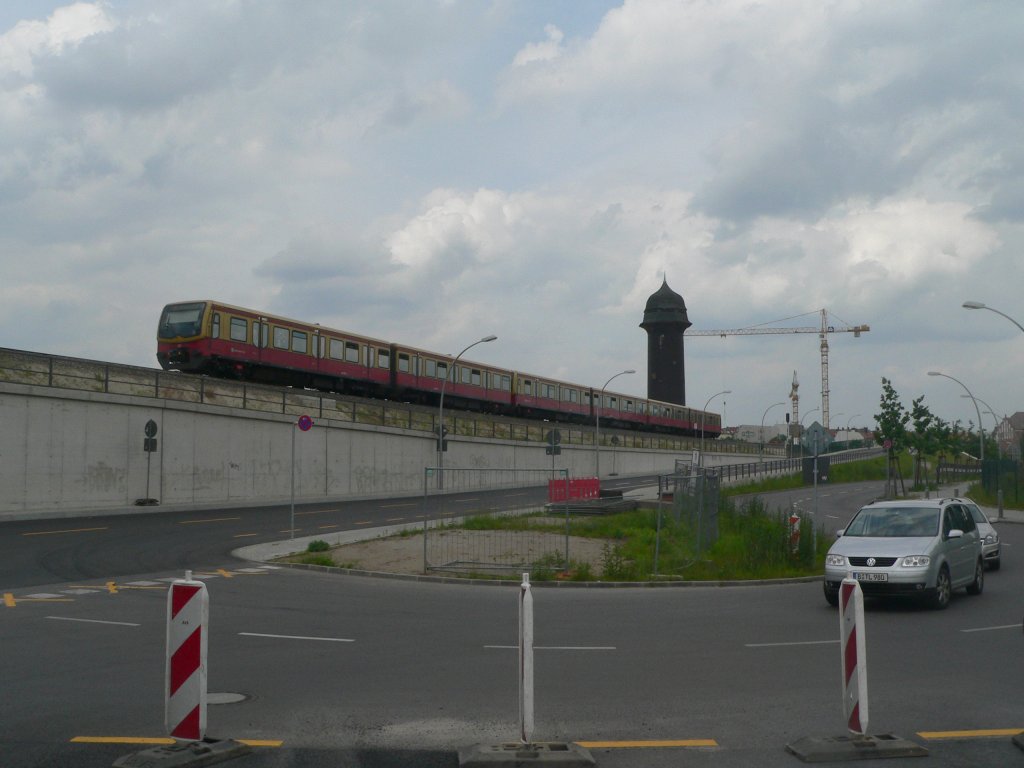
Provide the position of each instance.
(394, 519)
(982, 734)
(208, 520)
(225, 574)
(332, 525)
(309, 513)
(363, 522)
(67, 530)
(9, 600)
(648, 744)
(244, 535)
(396, 506)
(163, 740)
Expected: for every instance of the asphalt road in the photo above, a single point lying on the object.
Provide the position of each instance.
(354, 671)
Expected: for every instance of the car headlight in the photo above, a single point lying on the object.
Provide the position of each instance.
(836, 561)
(991, 539)
(915, 561)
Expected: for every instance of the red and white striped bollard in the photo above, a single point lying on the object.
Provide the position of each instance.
(188, 613)
(854, 658)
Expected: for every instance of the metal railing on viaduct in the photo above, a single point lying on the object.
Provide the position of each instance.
(22, 367)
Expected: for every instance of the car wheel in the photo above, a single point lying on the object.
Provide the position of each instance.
(831, 595)
(976, 586)
(943, 590)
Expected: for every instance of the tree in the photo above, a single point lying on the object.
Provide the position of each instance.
(892, 428)
(921, 438)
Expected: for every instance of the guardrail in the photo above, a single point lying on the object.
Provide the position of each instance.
(37, 369)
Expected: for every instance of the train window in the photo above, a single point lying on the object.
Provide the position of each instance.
(442, 370)
(431, 371)
(299, 341)
(239, 329)
(475, 378)
(403, 363)
(280, 337)
(216, 325)
(337, 349)
(628, 406)
(527, 387)
(466, 374)
(506, 383)
(383, 358)
(321, 347)
(351, 352)
(613, 403)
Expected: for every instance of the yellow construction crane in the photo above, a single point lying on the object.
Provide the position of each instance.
(823, 330)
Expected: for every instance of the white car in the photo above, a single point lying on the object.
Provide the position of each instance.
(991, 549)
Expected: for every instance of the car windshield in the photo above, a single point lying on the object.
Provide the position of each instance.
(180, 320)
(895, 522)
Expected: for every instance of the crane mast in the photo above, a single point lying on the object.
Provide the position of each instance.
(822, 330)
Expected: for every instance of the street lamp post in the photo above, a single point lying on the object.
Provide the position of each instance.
(848, 421)
(761, 433)
(597, 421)
(982, 305)
(981, 429)
(706, 404)
(440, 409)
(801, 430)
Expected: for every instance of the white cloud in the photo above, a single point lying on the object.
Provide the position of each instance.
(67, 26)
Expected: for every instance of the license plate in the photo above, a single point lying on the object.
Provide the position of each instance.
(871, 576)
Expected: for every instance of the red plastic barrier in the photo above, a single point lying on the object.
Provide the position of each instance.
(578, 488)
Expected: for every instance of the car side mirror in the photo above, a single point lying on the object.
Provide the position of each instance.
(956, 533)
(840, 532)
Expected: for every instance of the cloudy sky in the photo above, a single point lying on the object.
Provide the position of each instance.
(429, 172)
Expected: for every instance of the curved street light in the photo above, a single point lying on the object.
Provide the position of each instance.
(801, 430)
(982, 305)
(981, 429)
(440, 409)
(597, 421)
(761, 433)
(706, 404)
(848, 441)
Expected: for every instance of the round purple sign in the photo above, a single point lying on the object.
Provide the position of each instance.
(305, 422)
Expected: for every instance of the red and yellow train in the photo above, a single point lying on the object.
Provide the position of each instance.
(217, 339)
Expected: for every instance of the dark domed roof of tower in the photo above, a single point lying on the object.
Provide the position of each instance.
(665, 306)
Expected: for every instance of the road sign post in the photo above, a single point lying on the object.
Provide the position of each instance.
(305, 423)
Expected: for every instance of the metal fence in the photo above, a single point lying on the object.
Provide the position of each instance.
(470, 535)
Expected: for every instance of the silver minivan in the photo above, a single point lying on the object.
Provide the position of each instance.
(923, 548)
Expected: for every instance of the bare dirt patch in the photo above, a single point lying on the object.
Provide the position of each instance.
(404, 554)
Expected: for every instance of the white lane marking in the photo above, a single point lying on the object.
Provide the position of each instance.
(559, 647)
(785, 645)
(298, 637)
(95, 621)
(143, 584)
(42, 596)
(81, 591)
(992, 629)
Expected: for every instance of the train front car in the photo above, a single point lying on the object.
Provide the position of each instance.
(183, 337)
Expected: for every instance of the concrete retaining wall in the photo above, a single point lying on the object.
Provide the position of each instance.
(63, 451)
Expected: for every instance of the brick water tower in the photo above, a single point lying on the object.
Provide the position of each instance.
(665, 322)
